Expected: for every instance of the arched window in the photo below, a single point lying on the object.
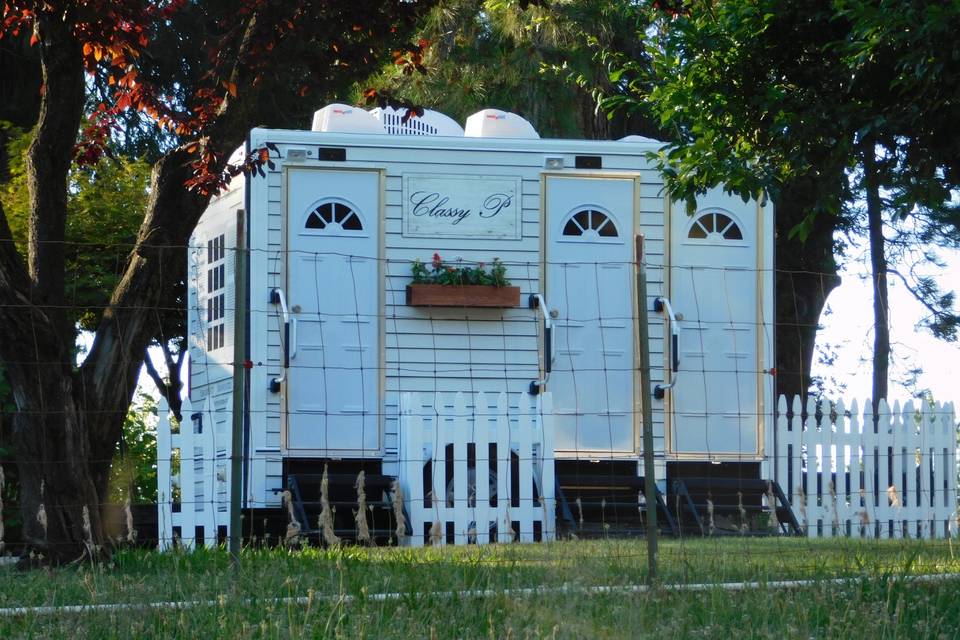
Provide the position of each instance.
(333, 217)
(715, 225)
(590, 223)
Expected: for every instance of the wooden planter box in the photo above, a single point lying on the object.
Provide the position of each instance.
(445, 295)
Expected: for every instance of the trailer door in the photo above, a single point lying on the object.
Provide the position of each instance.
(714, 286)
(333, 295)
(589, 286)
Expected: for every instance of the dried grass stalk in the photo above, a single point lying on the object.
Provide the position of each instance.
(41, 510)
(398, 510)
(326, 513)
(291, 537)
(92, 549)
(436, 533)
(711, 523)
(508, 527)
(128, 516)
(802, 500)
(42, 518)
(893, 496)
(744, 520)
(833, 501)
(772, 503)
(363, 530)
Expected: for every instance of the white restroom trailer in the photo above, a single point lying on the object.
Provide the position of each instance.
(333, 350)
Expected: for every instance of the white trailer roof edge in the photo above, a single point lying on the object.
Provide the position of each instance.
(259, 137)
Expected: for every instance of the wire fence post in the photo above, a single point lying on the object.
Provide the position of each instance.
(239, 371)
(649, 476)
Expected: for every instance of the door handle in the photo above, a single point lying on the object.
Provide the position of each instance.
(292, 339)
(662, 305)
(277, 297)
(537, 301)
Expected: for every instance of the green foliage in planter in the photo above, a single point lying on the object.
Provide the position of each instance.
(440, 273)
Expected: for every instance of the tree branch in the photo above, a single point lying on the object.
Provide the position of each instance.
(937, 313)
(154, 374)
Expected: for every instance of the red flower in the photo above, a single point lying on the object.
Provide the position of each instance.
(437, 262)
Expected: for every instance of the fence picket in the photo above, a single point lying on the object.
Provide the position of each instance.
(412, 458)
(481, 435)
(525, 452)
(504, 497)
(949, 446)
(870, 457)
(461, 483)
(547, 477)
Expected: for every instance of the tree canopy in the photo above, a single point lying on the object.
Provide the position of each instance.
(843, 105)
(203, 73)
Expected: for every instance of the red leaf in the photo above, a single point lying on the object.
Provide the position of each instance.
(34, 39)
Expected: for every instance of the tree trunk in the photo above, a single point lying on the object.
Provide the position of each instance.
(48, 162)
(68, 423)
(48, 433)
(878, 271)
(806, 273)
(58, 500)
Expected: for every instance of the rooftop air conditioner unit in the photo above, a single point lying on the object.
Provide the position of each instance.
(431, 123)
(342, 118)
(493, 123)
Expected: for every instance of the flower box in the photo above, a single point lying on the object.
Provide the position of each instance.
(476, 295)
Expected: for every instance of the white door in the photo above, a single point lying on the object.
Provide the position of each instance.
(714, 286)
(333, 294)
(589, 285)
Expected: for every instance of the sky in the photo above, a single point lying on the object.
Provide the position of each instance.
(849, 325)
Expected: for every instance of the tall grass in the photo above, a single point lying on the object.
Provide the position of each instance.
(338, 584)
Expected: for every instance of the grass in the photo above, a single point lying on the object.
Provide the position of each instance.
(882, 603)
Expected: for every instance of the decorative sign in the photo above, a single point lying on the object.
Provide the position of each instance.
(457, 206)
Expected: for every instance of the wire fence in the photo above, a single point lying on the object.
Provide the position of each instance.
(339, 371)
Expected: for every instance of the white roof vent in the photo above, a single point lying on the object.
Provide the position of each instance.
(431, 123)
(493, 123)
(238, 156)
(640, 139)
(342, 118)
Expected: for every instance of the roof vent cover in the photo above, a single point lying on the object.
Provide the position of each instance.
(640, 140)
(342, 118)
(493, 123)
(431, 123)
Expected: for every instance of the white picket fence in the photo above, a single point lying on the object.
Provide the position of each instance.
(469, 495)
(193, 489)
(844, 477)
